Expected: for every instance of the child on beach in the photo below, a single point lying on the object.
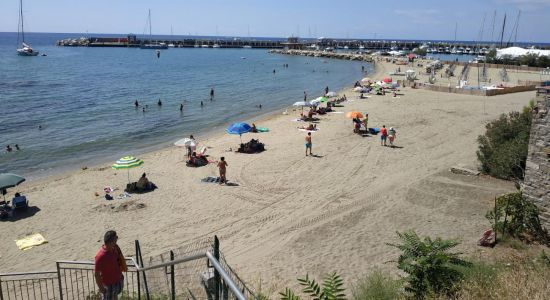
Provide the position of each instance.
(221, 165)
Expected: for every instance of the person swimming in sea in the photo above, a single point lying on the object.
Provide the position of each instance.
(136, 104)
(181, 107)
(159, 103)
(202, 104)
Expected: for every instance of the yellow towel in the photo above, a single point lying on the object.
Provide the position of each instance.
(30, 241)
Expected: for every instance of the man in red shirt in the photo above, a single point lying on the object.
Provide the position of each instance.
(109, 265)
(383, 135)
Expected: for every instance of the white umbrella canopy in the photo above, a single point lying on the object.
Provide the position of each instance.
(360, 89)
(366, 79)
(186, 142)
(301, 103)
(331, 94)
(315, 102)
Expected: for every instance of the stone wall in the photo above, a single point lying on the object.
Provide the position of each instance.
(536, 187)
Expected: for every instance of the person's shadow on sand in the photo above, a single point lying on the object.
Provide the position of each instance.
(317, 156)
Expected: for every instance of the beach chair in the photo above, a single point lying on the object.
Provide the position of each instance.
(20, 203)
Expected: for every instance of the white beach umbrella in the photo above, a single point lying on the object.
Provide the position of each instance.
(360, 89)
(186, 142)
(315, 102)
(331, 94)
(301, 103)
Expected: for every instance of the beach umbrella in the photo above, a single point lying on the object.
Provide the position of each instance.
(315, 102)
(322, 99)
(366, 79)
(331, 94)
(354, 114)
(8, 180)
(301, 103)
(387, 80)
(186, 142)
(239, 128)
(127, 162)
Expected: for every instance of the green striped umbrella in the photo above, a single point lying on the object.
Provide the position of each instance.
(127, 162)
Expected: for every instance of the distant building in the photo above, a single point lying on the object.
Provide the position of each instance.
(292, 43)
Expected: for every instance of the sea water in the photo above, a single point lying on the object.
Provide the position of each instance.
(75, 106)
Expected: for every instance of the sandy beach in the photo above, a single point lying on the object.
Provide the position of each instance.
(290, 214)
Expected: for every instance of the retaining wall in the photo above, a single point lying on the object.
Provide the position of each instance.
(536, 186)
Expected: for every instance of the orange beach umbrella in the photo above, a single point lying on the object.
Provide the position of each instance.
(353, 115)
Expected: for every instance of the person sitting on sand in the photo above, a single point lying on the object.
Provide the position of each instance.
(144, 183)
(394, 94)
(254, 129)
(366, 122)
(310, 114)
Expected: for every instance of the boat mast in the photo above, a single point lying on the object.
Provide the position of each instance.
(22, 23)
(150, 35)
(502, 33)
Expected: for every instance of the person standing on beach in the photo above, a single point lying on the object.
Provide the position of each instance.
(326, 90)
(309, 145)
(366, 122)
(222, 164)
(391, 136)
(305, 96)
(383, 135)
(108, 267)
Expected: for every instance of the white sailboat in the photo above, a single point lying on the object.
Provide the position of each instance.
(25, 49)
(152, 45)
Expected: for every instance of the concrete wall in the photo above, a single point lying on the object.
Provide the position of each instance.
(536, 187)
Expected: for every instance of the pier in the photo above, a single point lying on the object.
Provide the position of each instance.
(290, 43)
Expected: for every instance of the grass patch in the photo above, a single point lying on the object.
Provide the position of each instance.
(377, 286)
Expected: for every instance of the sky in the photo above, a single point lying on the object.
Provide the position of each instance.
(360, 19)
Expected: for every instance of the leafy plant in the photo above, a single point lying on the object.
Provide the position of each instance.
(331, 289)
(517, 217)
(431, 268)
(503, 149)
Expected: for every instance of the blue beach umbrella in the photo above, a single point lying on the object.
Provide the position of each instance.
(239, 128)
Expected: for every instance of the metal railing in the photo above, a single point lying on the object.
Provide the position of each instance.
(29, 285)
(175, 278)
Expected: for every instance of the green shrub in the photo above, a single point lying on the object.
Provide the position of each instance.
(503, 149)
(377, 286)
(431, 268)
(331, 289)
(517, 217)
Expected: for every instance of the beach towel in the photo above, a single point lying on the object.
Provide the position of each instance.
(336, 112)
(374, 130)
(297, 120)
(30, 241)
(212, 179)
(262, 129)
(305, 130)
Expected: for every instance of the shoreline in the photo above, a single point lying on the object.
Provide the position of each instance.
(63, 172)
